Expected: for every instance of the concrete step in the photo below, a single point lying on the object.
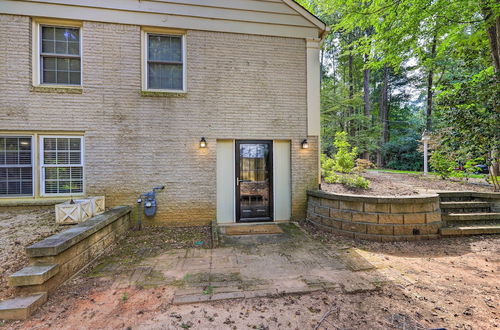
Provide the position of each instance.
(470, 230)
(464, 205)
(455, 196)
(33, 275)
(450, 217)
(20, 308)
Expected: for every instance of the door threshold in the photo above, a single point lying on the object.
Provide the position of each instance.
(261, 223)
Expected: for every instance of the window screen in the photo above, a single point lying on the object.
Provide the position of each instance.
(60, 55)
(16, 166)
(62, 166)
(165, 62)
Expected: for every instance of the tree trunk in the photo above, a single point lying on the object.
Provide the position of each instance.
(384, 114)
(493, 31)
(430, 77)
(351, 91)
(366, 100)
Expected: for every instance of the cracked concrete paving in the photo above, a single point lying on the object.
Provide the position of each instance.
(258, 266)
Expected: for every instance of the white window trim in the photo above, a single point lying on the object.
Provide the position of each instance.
(36, 47)
(144, 61)
(42, 165)
(33, 165)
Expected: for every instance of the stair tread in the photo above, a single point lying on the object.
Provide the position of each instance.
(473, 227)
(466, 204)
(33, 275)
(20, 308)
(471, 216)
(470, 230)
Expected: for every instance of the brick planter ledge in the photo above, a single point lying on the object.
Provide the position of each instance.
(376, 218)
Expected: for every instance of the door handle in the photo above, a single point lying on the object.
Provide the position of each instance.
(238, 181)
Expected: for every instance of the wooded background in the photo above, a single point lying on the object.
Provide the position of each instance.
(394, 68)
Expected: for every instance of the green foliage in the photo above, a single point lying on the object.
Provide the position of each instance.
(343, 163)
(470, 117)
(344, 158)
(442, 164)
(208, 290)
(470, 167)
(348, 180)
(442, 43)
(327, 165)
(402, 154)
(332, 177)
(355, 181)
(362, 165)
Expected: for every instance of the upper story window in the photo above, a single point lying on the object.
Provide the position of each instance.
(164, 62)
(16, 166)
(60, 56)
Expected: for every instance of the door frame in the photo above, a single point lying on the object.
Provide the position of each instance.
(236, 177)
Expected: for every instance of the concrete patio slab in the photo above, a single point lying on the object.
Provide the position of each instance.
(256, 266)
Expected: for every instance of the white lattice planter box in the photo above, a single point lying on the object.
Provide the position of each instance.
(67, 213)
(98, 204)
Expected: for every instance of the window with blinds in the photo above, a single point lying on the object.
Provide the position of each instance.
(61, 165)
(16, 166)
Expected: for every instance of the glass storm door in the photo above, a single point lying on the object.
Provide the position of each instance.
(254, 181)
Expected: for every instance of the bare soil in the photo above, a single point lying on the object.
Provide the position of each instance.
(21, 227)
(399, 184)
(452, 283)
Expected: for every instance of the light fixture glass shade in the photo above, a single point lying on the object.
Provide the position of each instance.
(305, 144)
(203, 143)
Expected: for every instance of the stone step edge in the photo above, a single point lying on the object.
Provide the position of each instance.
(33, 275)
(21, 308)
(471, 230)
(464, 205)
(470, 216)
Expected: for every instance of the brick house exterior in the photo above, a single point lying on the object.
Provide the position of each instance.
(239, 86)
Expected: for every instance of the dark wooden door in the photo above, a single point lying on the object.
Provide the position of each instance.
(254, 177)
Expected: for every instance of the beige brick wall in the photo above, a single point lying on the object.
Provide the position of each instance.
(239, 86)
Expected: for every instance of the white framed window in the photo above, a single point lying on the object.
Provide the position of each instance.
(164, 62)
(16, 165)
(61, 165)
(57, 56)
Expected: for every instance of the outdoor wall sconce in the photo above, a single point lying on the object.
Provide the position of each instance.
(203, 143)
(305, 144)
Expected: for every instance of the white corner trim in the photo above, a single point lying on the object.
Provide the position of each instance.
(313, 87)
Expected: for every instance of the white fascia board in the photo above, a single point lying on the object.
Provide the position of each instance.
(38, 9)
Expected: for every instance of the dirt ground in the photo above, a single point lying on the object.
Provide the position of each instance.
(449, 283)
(20, 227)
(399, 184)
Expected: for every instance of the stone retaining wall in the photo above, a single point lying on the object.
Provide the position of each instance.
(68, 252)
(376, 218)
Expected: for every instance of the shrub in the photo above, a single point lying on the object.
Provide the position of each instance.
(442, 164)
(343, 162)
(348, 180)
(470, 166)
(355, 181)
(362, 165)
(327, 165)
(344, 158)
